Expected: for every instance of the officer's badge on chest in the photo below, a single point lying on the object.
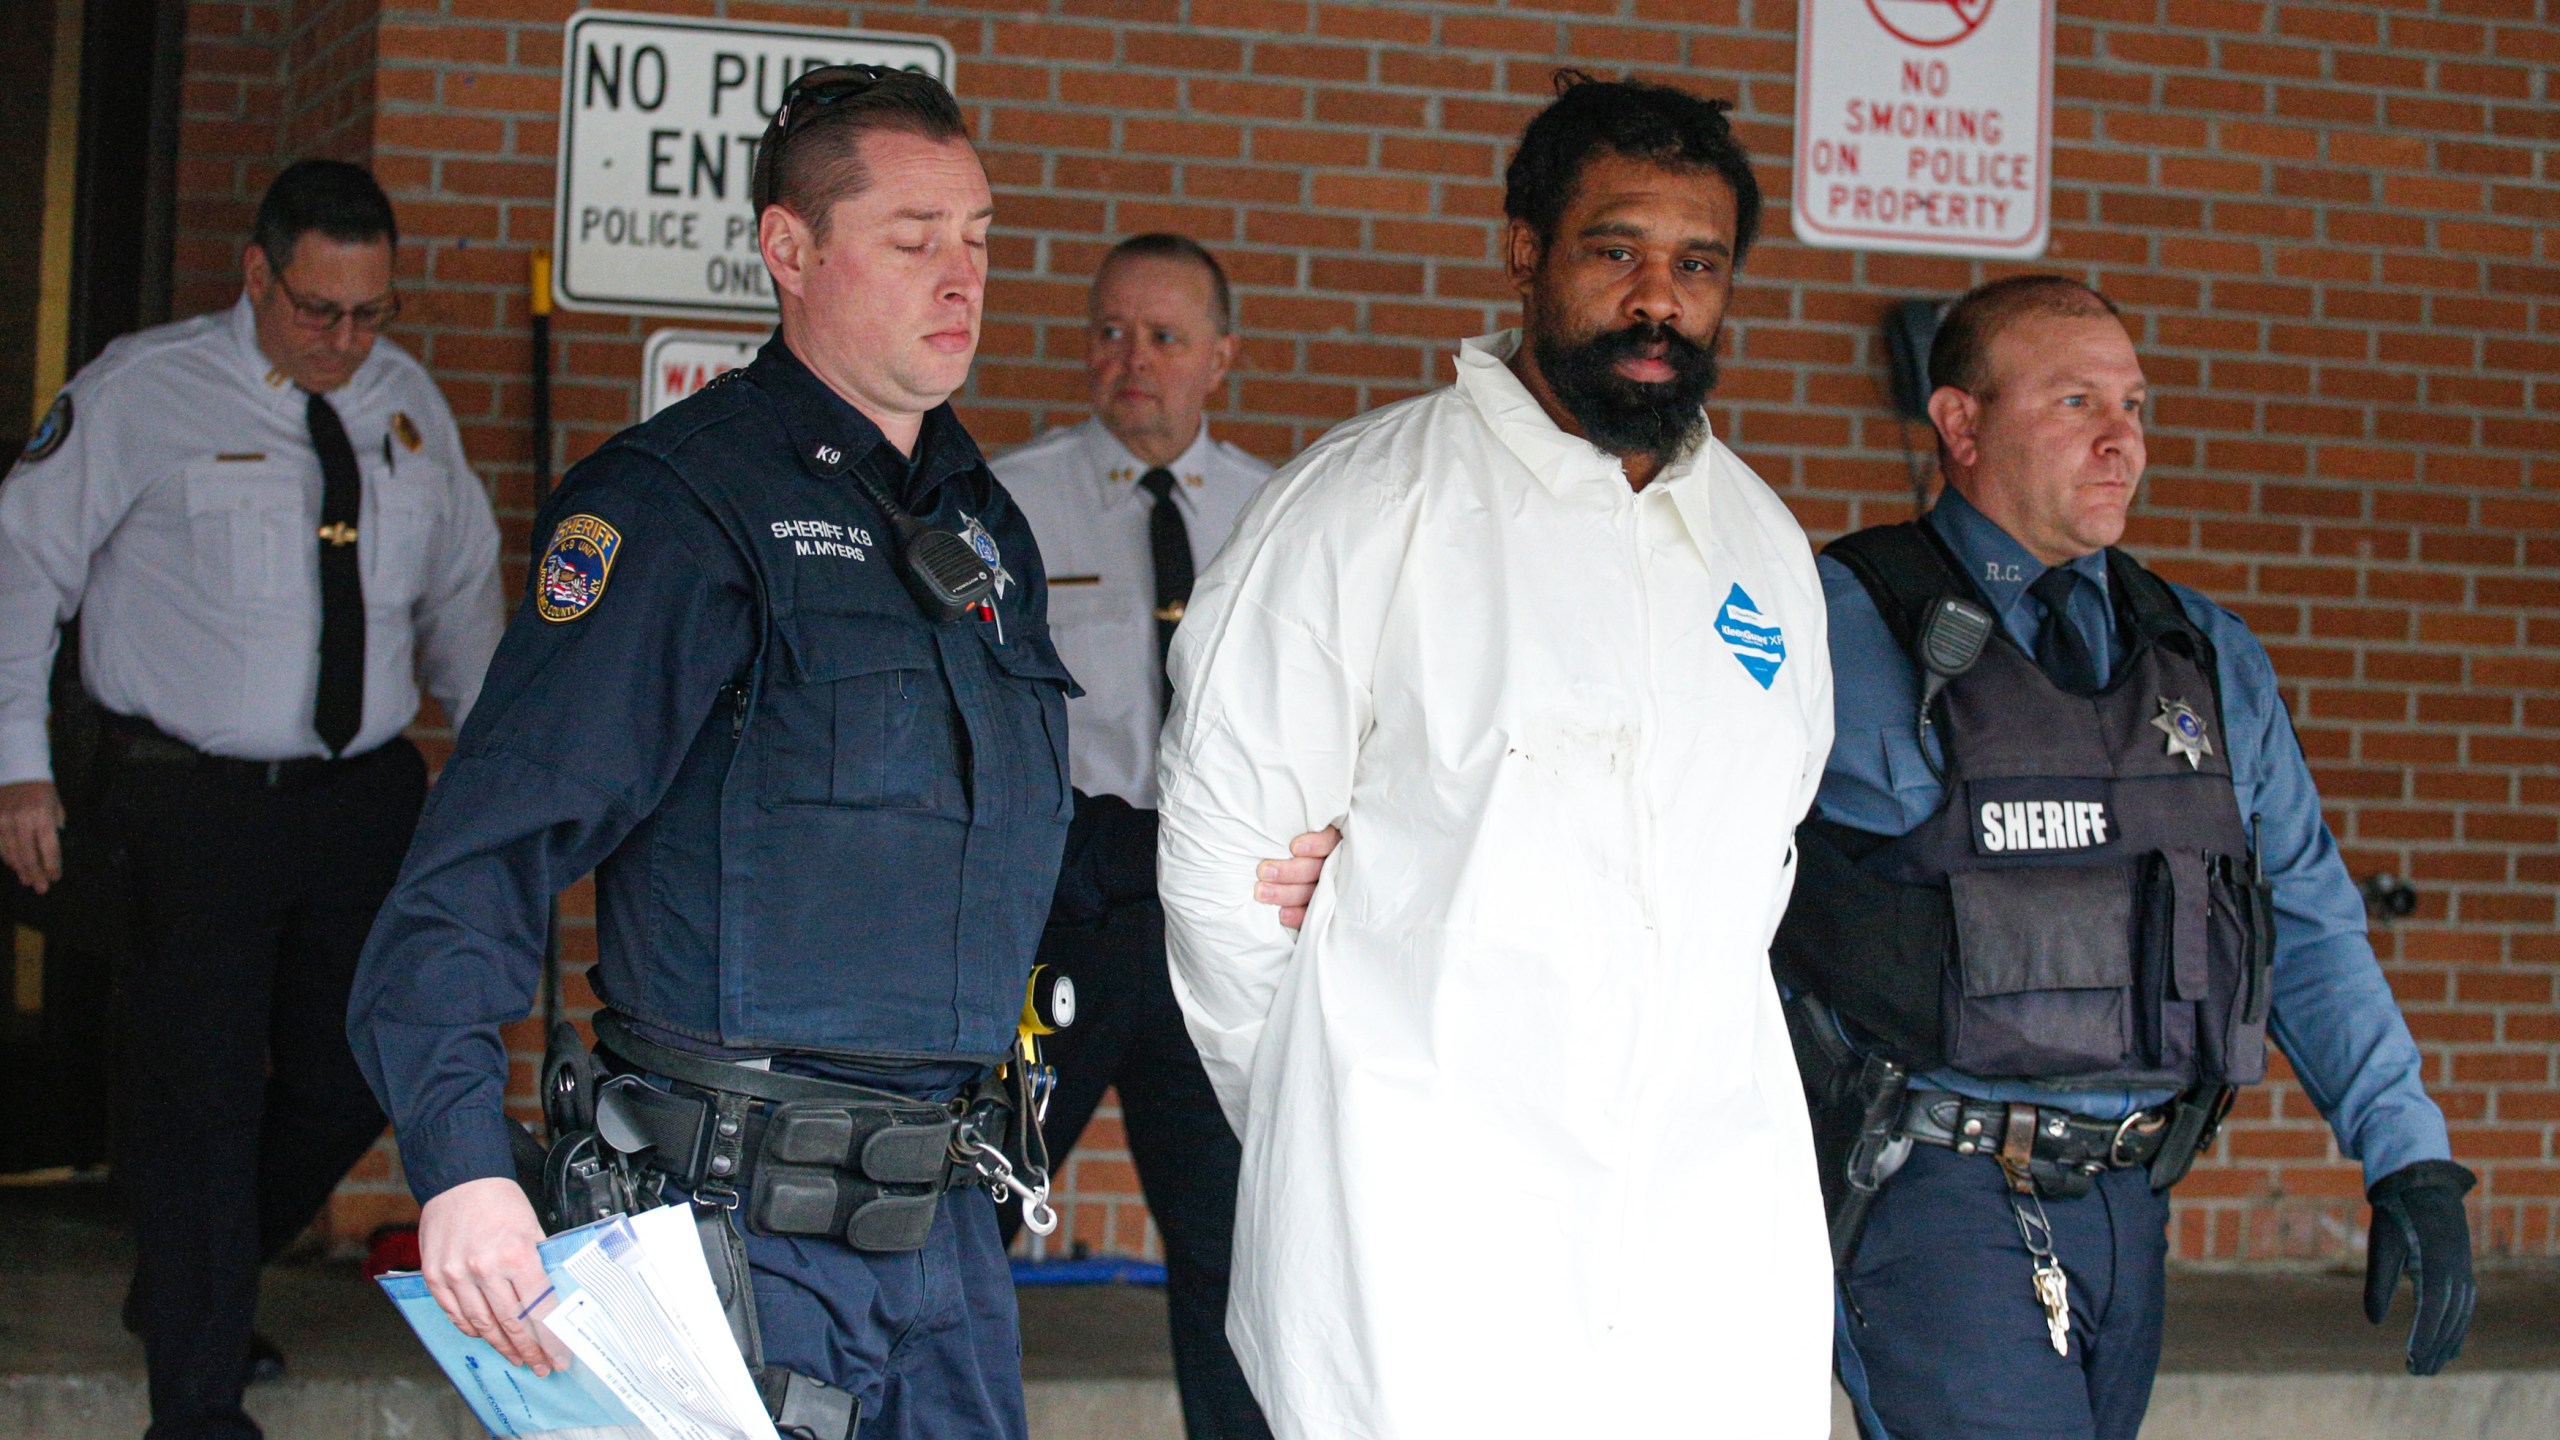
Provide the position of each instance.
(985, 544)
(575, 567)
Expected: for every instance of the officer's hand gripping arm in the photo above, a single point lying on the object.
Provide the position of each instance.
(2419, 1226)
(1291, 883)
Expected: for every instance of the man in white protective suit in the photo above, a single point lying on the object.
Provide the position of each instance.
(1524, 1149)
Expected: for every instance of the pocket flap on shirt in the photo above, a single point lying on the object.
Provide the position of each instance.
(1028, 653)
(2044, 928)
(219, 485)
(827, 645)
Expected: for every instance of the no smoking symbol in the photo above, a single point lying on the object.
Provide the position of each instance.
(1930, 23)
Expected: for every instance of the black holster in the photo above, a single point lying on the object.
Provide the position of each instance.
(1855, 1103)
(592, 1172)
(2194, 1117)
(1877, 1150)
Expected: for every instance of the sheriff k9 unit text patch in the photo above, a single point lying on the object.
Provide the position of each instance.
(575, 566)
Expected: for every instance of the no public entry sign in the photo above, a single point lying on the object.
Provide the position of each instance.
(1925, 126)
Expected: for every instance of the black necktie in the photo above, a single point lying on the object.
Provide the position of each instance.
(1170, 541)
(339, 712)
(2061, 650)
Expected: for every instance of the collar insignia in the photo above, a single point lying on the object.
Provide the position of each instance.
(985, 544)
(2185, 729)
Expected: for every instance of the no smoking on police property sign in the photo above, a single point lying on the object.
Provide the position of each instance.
(1925, 126)
(659, 123)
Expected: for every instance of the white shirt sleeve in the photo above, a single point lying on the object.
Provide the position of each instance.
(1270, 672)
(460, 611)
(55, 514)
(1809, 629)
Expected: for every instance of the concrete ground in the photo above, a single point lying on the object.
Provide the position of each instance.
(2266, 1356)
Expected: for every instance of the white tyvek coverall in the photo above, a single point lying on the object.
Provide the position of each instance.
(1524, 1148)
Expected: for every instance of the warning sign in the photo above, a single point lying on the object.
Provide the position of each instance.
(659, 122)
(675, 363)
(1925, 126)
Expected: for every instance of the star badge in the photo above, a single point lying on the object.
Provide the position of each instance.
(2185, 729)
(985, 544)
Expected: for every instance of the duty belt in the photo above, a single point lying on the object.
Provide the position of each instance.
(803, 1156)
(2052, 1151)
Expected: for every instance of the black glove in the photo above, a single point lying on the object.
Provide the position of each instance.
(2418, 1225)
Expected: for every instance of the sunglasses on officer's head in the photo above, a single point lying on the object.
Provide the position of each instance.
(803, 100)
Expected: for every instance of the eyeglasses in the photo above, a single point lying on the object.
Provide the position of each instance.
(318, 315)
(803, 100)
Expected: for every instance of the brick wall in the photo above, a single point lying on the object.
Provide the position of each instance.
(2332, 225)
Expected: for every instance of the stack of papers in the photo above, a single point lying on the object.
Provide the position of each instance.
(633, 1308)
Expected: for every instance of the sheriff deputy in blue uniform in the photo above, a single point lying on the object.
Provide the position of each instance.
(825, 810)
(2056, 902)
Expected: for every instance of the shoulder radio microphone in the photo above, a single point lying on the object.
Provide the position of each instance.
(945, 574)
(1951, 640)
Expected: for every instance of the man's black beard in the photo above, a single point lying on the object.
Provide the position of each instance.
(1656, 418)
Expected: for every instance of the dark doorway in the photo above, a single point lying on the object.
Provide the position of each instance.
(91, 86)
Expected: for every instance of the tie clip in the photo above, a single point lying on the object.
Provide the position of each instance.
(341, 533)
(1171, 613)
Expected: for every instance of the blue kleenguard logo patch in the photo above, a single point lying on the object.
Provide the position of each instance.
(1756, 639)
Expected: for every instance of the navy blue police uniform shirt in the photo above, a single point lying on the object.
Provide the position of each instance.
(821, 823)
(2334, 1014)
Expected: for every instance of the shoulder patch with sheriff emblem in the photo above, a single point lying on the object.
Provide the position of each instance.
(406, 430)
(575, 567)
(52, 430)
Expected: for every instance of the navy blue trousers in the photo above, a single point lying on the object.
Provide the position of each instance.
(927, 1341)
(1943, 1328)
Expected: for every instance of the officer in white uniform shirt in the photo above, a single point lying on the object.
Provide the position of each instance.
(1129, 506)
(265, 523)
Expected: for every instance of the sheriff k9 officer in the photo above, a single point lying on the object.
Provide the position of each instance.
(825, 811)
(264, 520)
(1129, 505)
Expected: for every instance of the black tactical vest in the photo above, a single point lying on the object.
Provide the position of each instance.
(2083, 909)
(858, 852)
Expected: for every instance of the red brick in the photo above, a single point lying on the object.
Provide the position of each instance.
(2330, 225)
(1310, 62)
